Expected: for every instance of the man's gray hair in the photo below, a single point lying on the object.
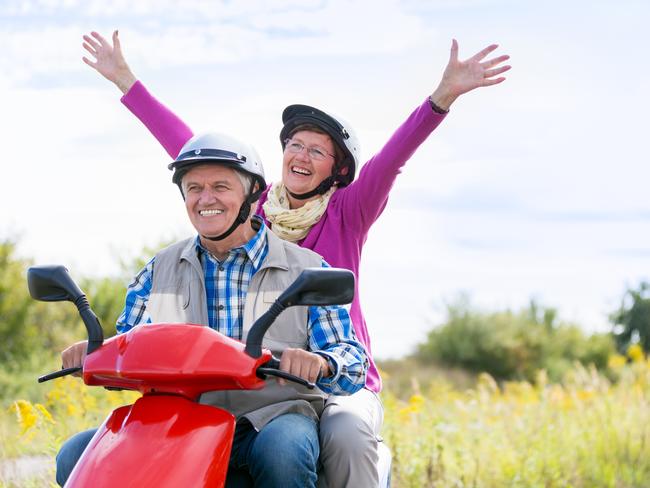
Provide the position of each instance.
(246, 181)
(245, 178)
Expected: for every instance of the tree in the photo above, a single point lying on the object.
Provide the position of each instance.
(631, 322)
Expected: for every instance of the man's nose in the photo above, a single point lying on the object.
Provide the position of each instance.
(207, 195)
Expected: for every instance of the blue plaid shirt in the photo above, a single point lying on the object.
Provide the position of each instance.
(226, 283)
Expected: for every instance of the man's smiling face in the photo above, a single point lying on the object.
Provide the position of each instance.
(213, 196)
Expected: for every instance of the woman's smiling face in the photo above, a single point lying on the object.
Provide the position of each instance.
(302, 173)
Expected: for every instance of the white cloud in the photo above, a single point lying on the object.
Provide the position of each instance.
(173, 34)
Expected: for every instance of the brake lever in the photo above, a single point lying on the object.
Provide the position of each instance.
(58, 374)
(262, 372)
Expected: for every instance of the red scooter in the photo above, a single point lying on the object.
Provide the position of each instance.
(166, 438)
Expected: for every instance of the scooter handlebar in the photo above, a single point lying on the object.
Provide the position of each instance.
(272, 368)
(58, 374)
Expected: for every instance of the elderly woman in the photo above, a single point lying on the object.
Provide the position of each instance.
(321, 206)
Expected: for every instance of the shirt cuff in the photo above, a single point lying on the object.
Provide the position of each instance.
(335, 366)
(133, 92)
(432, 115)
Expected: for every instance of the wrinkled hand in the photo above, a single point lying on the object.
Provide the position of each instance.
(73, 356)
(303, 363)
(110, 62)
(463, 76)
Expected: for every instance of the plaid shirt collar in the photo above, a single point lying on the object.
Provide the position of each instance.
(255, 248)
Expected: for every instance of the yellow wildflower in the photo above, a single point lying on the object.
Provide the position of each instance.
(412, 408)
(73, 410)
(585, 395)
(44, 413)
(635, 353)
(416, 402)
(616, 361)
(25, 413)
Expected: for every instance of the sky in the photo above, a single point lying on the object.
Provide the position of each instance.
(532, 189)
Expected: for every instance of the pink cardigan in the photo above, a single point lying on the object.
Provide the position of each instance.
(340, 234)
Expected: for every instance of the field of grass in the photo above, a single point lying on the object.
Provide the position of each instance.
(589, 431)
(586, 432)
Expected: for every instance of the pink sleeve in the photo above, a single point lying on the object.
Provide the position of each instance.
(170, 131)
(365, 199)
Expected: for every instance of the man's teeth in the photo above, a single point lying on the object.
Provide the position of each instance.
(301, 171)
(207, 213)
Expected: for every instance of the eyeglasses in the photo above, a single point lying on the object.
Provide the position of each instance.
(314, 152)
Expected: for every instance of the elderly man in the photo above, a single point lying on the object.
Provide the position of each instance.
(222, 278)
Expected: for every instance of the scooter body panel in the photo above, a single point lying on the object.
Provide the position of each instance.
(182, 359)
(159, 441)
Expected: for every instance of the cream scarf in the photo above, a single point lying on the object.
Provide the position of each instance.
(293, 224)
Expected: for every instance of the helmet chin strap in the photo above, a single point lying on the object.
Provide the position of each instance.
(242, 216)
(321, 189)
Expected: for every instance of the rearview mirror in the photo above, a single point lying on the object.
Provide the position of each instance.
(320, 286)
(314, 286)
(52, 284)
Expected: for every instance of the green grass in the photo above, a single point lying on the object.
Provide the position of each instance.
(458, 432)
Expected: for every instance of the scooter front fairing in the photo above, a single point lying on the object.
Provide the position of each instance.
(166, 438)
(159, 441)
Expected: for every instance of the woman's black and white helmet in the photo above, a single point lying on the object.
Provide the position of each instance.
(339, 130)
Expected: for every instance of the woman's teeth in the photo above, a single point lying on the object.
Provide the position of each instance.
(301, 171)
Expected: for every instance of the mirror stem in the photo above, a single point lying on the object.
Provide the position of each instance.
(256, 334)
(90, 320)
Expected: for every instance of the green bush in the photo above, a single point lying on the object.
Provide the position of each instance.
(17, 336)
(512, 345)
(33, 333)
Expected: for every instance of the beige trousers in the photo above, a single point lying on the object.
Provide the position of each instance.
(349, 436)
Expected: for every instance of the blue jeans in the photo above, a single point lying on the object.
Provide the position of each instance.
(70, 453)
(283, 454)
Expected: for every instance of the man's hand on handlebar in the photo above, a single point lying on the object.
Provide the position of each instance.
(73, 356)
(305, 364)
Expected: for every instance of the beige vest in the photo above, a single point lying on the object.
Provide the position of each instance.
(178, 296)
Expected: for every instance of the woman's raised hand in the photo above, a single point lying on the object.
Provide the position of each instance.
(463, 76)
(109, 60)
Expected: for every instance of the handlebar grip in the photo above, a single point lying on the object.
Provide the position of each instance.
(272, 363)
(58, 374)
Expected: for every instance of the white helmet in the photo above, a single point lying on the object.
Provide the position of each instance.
(215, 148)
